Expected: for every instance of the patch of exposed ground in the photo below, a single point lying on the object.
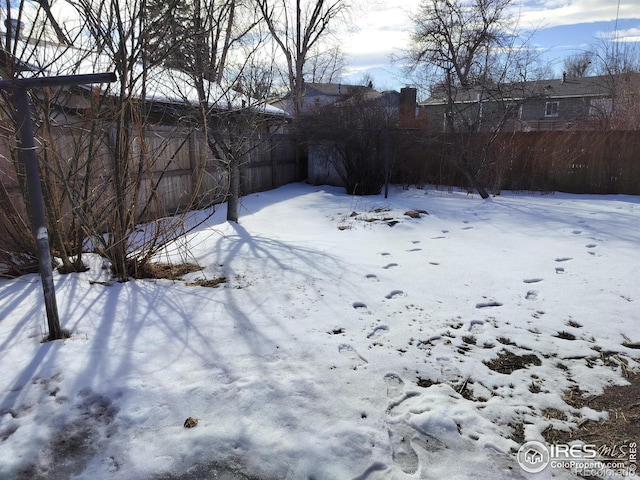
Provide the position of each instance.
(623, 425)
(507, 362)
(170, 271)
(208, 282)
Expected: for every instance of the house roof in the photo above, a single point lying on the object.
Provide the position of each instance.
(333, 89)
(567, 87)
(388, 97)
(162, 84)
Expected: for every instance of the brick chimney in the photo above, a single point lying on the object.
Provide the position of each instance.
(408, 96)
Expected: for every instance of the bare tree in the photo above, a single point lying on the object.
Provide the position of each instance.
(27, 26)
(460, 46)
(324, 66)
(611, 56)
(353, 137)
(223, 44)
(297, 28)
(578, 65)
(123, 32)
(103, 171)
(617, 67)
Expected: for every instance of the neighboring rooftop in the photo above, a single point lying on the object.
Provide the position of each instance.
(566, 87)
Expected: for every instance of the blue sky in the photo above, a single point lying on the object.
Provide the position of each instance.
(562, 28)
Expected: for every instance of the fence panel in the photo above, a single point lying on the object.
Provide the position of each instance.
(171, 169)
(569, 161)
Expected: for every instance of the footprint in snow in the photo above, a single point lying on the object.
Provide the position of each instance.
(359, 306)
(414, 250)
(372, 277)
(532, 280)
(394, 294)
(466, 228)
(395, 385)
(402, 452)
(591, 245)
(415, 241)
(350, 353)
(577, 232)
(559, 270)
(403, 436)
(378, 332)
(390, 265)
(385, 254)
(490, 304)
(474, 324)
(563, 259)
(532, 295)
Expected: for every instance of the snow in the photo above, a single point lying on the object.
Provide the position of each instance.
(306, 362)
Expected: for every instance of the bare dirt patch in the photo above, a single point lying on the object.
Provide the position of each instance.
(208, 282)
(170, 271)
(623, 425)
(507, 362)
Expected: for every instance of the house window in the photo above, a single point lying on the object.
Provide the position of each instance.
(551, 109)
(513, 111)
(601, 106)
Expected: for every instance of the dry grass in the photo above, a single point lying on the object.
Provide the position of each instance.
(623, 425)
(170, 271)
(210, 282)
(507, 362)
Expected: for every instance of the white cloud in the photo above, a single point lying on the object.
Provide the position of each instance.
(628, 35)
(382, 30)
(553, 13)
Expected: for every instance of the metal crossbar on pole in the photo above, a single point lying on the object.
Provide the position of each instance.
(29, 157)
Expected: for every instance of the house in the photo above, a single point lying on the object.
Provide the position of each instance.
(568, 103)
(319, 95)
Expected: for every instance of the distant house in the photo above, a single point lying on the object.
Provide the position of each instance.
(318, 95)
(558, 104)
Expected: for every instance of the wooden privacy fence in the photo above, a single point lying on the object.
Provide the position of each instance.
(576, 161)
(184, 169)
(169, 170)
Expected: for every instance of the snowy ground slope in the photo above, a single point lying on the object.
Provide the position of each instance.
(314, 359)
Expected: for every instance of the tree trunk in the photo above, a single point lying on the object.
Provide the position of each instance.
(233, 199)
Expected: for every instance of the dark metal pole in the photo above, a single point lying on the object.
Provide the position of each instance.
(387, 167)
(59, 81)
(29, 157)
(38, 220)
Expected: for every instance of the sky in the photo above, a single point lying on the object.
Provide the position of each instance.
(376, 31)
(562, 28)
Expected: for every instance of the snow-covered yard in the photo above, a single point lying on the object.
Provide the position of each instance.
(339, 347)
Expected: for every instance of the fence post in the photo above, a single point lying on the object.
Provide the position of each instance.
(29, 157)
